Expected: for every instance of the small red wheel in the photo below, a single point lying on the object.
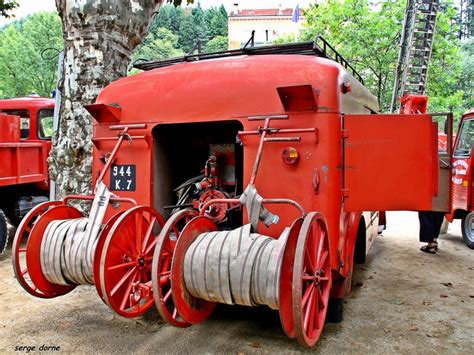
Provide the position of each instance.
(286, 280)
(161, 266)
(33, 249)
(311, 279)
(192, 310)
(19, 248)
(98, 251)
(125, 263)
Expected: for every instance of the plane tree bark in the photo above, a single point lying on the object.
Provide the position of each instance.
(99, 37)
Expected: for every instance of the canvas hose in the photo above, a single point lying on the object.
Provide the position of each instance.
(68, 245)
(235, 267)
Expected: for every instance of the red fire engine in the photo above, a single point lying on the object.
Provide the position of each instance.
(238, 177)
(462, 198)
(25, 134)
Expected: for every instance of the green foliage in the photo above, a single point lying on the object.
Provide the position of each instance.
(368, 37)
(22, 70)
(466, 81)
(160, 44)
(187, 26)
(217, 44)
(6, 6)
(444, 72)
(285, 38)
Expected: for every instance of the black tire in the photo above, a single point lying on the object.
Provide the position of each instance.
(335, 310)
(467, 224)
(3, 232)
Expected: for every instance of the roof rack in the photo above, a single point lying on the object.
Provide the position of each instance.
(319, 47)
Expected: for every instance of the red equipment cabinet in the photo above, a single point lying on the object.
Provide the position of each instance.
(299, 129)
(24, 148)
(462, 202)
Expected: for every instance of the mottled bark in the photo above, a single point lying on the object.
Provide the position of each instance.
(99, 37)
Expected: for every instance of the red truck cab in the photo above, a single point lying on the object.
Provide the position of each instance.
(462, 200)
(26, 126)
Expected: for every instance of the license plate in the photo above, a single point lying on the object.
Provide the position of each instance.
(123, 178)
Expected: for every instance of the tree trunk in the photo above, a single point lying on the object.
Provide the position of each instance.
(99, 37)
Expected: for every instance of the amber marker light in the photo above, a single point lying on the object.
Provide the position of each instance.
(290, 155)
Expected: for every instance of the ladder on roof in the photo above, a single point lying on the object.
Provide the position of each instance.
(416, 45)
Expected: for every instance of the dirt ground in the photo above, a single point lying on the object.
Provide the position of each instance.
(403, 301)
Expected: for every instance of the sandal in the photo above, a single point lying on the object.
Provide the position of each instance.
(430, 249)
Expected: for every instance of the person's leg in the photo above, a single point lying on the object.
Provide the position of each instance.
(426, 226)
(437, 223)
(427, 232)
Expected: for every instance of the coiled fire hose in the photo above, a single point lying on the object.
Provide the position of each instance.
(68, 246)
(235, 267)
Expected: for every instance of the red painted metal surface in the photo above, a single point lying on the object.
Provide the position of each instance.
(413, 104)
(396, 175)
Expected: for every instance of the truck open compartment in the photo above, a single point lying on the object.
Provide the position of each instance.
(176, 160)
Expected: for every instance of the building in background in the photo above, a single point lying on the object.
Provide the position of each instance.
(268, 24)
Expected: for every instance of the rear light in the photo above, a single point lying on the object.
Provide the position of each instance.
(290, 155)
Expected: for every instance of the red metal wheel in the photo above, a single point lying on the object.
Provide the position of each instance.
(286, 280)
(33, 249)
(19, 248)
(311, 279)
(161, 266)
(125, 263)
(98, 251)
(192, 310)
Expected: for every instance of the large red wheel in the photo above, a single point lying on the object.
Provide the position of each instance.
(98, 251)
(311, 279)
(192, 310)
(161, 266)
(286, 280)
(125, 263)
(19, 248)
(34, 252)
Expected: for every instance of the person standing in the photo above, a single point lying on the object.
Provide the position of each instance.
(430, 226)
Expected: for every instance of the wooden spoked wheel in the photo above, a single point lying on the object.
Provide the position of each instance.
(311, 279)
(19, 249)
(161, 266)
(125, 263)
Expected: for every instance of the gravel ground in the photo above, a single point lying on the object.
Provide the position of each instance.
(403, 301)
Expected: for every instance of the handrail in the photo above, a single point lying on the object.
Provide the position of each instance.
(319, 47)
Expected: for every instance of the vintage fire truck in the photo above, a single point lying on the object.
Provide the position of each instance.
(462, 199)
(25, 134)
(238, 177)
